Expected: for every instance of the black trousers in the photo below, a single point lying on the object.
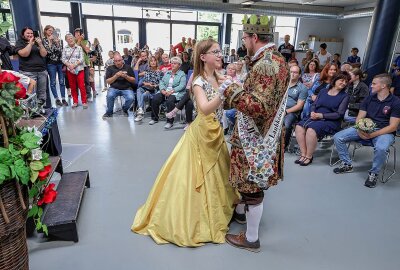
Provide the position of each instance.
(156, 102)
(188, 104)
(87, 83)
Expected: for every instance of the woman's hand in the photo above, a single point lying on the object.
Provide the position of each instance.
(223, 86)
(313, 97)
(316, 116)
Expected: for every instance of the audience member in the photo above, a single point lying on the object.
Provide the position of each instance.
(357, 92)
(395, 87)
(308, 58)
(142, 64)
(354, 60)
(323, 55)
(148, 87)
(346, 67)
(166, 65)
(326, 114)
(383, 109)
(297, 95)
(54, 50)
(287, 49)
(242, 51)
(32, 61)
(84, 44)
(336, 59)
(186, 64)
(127, 57)
(233, 57)
(98, 49)
(311, 73)
(180, 46)
(172, 89)
(109, 62)
(73, 59)
(121, 78)
(325, 79)
(6, 49)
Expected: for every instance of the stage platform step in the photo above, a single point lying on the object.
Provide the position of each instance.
(61, 216)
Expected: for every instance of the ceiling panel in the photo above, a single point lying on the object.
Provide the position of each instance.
(334, 3)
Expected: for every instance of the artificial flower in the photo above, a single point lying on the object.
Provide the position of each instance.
(49, 195)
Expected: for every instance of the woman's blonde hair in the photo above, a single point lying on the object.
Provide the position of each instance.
(47, 27)
(201, 48)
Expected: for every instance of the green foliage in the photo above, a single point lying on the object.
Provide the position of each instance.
(205, 31)
(4, 26)
(7, 102)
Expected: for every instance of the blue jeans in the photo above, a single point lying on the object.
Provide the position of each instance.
(289, 120)
(380, 143)
(113, 93)
(53, 70)
(142, 95)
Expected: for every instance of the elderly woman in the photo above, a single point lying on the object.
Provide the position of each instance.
(72, 58)
(172, 89)
(148, 86)
(54, 49)
(32, 61)
(326, 114)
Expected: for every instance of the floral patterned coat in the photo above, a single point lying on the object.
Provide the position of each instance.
(259, 98)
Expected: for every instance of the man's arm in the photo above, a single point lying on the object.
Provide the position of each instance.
(297, 107)
(392, 127)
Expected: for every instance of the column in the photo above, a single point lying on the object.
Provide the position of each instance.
(25, 14)
(381, 38)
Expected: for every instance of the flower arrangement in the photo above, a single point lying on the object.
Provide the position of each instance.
(21, 159)
(365, 125)
(303, 44)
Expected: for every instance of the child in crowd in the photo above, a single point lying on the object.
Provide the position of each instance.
(109, 62)
(336, 60)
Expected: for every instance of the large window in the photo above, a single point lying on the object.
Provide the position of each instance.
(210, 17)
(158, 35)
(286, 26)
(126, 34)
(207, 31)
(182, 30)
(60, 24)
(102, 30)
(97, 9)
(54, 6)
(183, 15)
(127, 11)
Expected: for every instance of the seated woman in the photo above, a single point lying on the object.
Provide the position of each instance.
(327, 112)
(311, 73)
(357, 92)
(307, 59)
(172, 89)
(148, 88)
(329, 71)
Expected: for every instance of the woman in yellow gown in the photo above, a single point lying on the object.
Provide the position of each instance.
(191, 201)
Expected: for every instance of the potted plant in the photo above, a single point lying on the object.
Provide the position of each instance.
(24, 171)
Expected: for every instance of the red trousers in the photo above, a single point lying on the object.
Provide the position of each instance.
(73, 81)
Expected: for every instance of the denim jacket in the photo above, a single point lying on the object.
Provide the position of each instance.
(179, 83)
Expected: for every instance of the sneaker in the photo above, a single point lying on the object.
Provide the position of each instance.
(106, 115)
(371, 180)
(104, 89)
(84, 105)
(152, 122)
(171, 114)
(64, 102)
(139, 111)
(74, 105)
(139, 118)
(58, 102)
(343, 168)
(240, 241)
(125, 113)
(168, 125)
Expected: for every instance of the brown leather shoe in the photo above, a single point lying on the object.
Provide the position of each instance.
(240, 241)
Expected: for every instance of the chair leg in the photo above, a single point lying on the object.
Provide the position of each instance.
(393, 172)
(331, 163)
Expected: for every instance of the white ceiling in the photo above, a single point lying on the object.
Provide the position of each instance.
(334, 3)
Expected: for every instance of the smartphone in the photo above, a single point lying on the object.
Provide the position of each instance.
(55, 35)
(35, 34)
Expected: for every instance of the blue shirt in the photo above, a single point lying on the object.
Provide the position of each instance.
(353, 59)
(381, 111)
(296, 92)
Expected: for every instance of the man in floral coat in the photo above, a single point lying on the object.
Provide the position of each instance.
(257, 141)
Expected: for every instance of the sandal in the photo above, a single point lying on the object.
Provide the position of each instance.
(298, 161)
(303, 163)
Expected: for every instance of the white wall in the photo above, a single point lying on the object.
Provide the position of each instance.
(355, 34)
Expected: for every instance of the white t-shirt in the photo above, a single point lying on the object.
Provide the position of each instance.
(323, 58)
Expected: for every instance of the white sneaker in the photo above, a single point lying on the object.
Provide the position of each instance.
(168, 125)
(152, 122)
(139, 118)
(140, 111)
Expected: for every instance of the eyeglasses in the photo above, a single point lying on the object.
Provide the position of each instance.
(215, 52)
(244, 38)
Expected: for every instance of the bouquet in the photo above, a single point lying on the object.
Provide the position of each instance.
(365, 125)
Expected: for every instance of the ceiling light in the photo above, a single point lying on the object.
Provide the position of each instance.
(307, 2)
(248, 3)
(147, 14)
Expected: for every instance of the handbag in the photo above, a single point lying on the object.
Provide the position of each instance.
(64, 67)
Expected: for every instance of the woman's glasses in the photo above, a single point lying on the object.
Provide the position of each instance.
(215, 52)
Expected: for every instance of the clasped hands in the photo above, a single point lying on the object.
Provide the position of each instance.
(316, 116)
(167, 93)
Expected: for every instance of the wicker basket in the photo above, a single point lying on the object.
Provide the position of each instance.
(13, 246)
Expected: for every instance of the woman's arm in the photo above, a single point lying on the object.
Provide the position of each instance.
(340, 111)
(25, 52)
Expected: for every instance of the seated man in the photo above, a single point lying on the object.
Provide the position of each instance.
(121, 78)
(172, 89)
(384, 109)
(297, 95)
(166, 65)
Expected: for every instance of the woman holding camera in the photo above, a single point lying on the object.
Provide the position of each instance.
(54, 49)
(32, 60)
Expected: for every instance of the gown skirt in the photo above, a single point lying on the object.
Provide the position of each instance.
(191, 201)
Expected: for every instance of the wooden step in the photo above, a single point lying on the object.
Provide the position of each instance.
(61, 216)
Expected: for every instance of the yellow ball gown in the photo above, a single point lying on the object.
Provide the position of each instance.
(191, 201)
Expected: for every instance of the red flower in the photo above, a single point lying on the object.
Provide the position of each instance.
(45, 172)
(49, 195)
(16, 102)
(22, 92)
